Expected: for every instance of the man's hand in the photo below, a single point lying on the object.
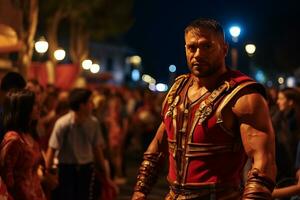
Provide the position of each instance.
(138, 196)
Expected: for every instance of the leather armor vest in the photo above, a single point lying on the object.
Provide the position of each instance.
(201, 150)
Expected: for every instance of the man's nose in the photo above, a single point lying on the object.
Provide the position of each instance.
(198, 53)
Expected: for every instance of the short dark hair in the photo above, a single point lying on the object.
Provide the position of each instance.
(209, 24)
(78, 96)
(12, 80)
(17, 108)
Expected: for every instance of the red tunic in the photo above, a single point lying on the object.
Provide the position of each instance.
(18, 167)
(203, 153)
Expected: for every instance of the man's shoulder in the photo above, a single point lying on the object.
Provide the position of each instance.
(242, 82)
(183, 76)
(236, 76)
(65, 119)
(179, 81)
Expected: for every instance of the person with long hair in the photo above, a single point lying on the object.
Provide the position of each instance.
(20, 155)
(286, 124)
(287, 131)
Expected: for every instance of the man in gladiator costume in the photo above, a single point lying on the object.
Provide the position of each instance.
(214, 119)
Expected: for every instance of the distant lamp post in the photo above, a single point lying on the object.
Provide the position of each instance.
(95, 68)
(86, 64)
(250, 49)
(161, 87)
(172, 68)
(235, 32)
(172, 74)
(280, 80)
(59, 54)
(135, 75)
(135, 60)
(41, 46)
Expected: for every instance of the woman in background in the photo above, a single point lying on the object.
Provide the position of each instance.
(286, 126)
(20, 154)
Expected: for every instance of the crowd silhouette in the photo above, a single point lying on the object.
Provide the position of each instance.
(126, 119)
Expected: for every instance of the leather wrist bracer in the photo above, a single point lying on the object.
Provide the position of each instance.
(258, 186)
(147, 173)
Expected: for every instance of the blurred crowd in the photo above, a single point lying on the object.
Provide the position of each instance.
(126, 119)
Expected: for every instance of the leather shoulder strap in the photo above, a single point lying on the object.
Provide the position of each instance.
(229, 97)
(176, 87)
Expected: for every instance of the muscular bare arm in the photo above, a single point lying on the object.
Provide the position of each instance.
(258, 140)
(159, 144)
(257, 132)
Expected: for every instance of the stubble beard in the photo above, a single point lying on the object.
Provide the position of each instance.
(211, 69)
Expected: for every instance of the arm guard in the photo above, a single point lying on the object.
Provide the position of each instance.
(258, 186)
(147, 173)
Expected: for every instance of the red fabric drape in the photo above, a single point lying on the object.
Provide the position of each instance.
(38, 71)
(65, 74)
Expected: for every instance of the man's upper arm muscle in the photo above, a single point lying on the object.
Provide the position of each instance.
(160, 141)
(256, 131)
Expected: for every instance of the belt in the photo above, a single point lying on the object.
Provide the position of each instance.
(204, 192)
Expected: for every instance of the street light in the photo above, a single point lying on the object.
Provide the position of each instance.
(41, 46)
(172, 68)
(135, 60)
(86, 64)
(135, 75)
(172, 73)
(148, 79)
(250, 49)
(235, 32)
(59, 54)
(95, 68)
(161, 87)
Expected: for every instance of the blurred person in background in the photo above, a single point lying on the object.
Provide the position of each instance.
(78, 140)
(11, 80)
(272, 94)
(287, 130)
(287, 136)
(117, 125)
(20, 155)
(34, 86)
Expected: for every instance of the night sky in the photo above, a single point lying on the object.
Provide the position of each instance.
(157, 34)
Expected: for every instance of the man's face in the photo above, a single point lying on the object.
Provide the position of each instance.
(205, 52)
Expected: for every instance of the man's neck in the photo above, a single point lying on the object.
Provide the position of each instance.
(79, 116)
(209, 83)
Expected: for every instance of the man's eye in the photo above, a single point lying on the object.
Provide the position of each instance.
(206, 46)
(192, 48)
